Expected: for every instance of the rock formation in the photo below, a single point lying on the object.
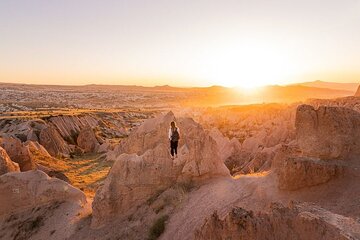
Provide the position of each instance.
(53, 142)
(87, 140)
(147, 136)
(133, 179)
(299, 172)
(357, 94)
(37, 149)
(69, 126)
(18, 152)
(327, 140)
(329, 132)
(6, 165)
(302, 222)
(34, 188)
(226, 147)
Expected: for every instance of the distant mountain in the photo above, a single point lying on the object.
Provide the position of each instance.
(331, 85)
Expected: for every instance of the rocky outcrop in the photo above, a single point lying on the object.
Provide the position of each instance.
(301, 222)
(69, 126)
(53, 173)
(22, 129)
(299, 172)
(34, 188)
(226, 147)
(147, 136)
(87, 140)
(18, 152)
(328, 132)
(6, 165)
(37, 149)
(53, 142)
(260, 160)
(133, 179)
(357, 94)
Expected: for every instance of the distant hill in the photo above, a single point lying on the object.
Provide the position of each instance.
(214, 95)
(331, 85)
(299, 92)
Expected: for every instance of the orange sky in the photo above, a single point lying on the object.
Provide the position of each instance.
(179, 43)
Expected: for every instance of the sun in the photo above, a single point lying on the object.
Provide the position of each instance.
(249, 66)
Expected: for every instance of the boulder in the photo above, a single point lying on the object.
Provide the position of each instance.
(87, 140)
(53, 173)
(299, 172)
(105, 147)
(53, 142)
(33, 188)
(18, 152)
(6, 165)
(328, 132)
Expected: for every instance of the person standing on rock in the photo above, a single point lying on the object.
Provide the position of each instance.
(174, 136)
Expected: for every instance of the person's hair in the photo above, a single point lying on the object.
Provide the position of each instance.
(173, 124)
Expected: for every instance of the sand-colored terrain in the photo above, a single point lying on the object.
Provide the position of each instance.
(265, 171)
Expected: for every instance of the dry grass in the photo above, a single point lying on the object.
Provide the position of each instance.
(85, 172)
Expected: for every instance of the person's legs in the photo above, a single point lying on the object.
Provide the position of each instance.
(175, 147)
(172, 148)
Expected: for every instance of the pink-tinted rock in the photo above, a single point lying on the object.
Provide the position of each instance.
(329, 132)
(53, 142)
(6, 165)
(18, 152)
(133, 179)
(87, 140)
(299, 172)
(33, 188)
(301, 222)
(357, 94)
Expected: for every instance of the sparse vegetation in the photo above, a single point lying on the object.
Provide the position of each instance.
(154, 197)
(158, 227)
(186, 186)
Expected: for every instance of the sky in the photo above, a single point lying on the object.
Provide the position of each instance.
(179, 42)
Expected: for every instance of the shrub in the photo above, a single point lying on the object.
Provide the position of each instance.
(158, 228)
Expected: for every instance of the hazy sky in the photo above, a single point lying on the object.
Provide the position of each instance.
(182, 43)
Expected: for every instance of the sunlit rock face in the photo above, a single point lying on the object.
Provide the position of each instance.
(6, 165)
(68, 126)
(134, 178)
(33, 188)
(357, 94)
(87, 140)
(328, 132)
(52, 141)
(18, 152)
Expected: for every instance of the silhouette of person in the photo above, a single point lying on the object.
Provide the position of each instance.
(174, 136)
